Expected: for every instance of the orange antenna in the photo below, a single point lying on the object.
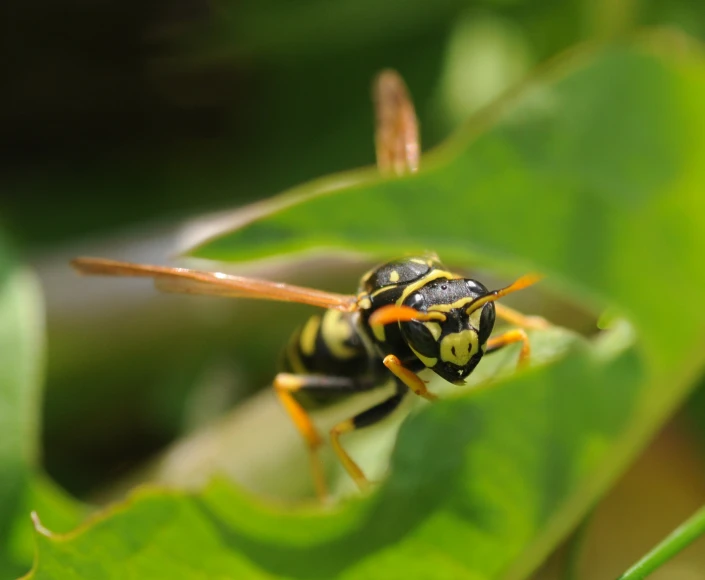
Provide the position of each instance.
(520, 284)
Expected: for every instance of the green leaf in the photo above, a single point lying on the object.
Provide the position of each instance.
(457, 504)
(21, 359)
(60, 511)
(614, 180)
(592, 173)
(22, 489)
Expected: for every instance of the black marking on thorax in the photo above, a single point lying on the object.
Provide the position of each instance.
(398, 273)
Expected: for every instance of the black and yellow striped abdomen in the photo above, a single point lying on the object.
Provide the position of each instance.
(328, 344)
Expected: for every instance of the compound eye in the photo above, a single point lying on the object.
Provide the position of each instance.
(475, 287)
(487, 319)
(420, 338)
(416, 301)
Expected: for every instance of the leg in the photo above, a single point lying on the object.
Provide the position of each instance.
(516, 318)
(285, 385)
(409, 378)
(364, 419)
(510, 337)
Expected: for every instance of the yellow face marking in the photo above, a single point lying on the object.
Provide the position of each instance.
(426, 360)
(459, 347)
(394, 276)
(434, 328)
(308, 335)
(474, 319)
(335, 330)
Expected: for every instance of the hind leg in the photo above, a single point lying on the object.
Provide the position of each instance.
(285, 385)
(364, 419)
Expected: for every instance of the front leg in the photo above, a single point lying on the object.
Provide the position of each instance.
(409, 378)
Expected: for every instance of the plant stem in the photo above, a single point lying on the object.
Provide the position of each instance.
(681, 537)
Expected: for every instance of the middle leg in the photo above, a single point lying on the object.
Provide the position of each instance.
(364, 419)
(510, 337)
(285, 385)
(516, 318)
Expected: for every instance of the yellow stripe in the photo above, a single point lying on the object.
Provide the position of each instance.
(426, 360)
(378, 331)
(308, 335)
(434, 328)
(292, 353)
(432, 275)
(448, 307)
(383, 289)
(335, 330)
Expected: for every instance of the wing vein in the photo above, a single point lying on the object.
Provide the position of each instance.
(186, 281)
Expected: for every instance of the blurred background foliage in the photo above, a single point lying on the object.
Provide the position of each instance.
(128, 128)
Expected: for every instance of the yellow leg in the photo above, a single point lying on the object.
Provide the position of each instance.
(285, 385)
(364, 419)
(516, 318)
(348, 463)
(409, 378)
(510, 337)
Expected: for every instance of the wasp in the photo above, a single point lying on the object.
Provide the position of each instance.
(408, 315)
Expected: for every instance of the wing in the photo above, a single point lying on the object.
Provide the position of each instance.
(185, 281)
(397, 133)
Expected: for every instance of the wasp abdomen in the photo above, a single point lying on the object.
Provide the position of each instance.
(327, 344)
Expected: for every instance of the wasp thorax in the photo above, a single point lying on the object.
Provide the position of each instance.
(452, 341)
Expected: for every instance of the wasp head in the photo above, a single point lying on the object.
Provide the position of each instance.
(450, 335)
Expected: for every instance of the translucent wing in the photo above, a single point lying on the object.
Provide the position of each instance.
(397, 132)
(185, 281)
